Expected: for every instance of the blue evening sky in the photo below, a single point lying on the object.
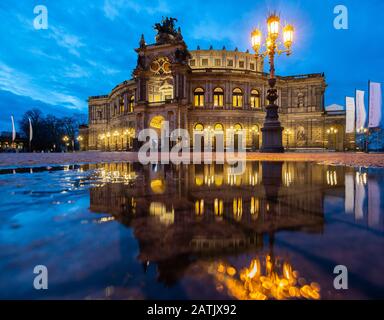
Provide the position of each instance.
(88, 47)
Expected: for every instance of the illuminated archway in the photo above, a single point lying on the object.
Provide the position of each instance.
(156, 122)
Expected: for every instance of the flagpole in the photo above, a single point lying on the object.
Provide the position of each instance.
(30, 134)
(13, 131)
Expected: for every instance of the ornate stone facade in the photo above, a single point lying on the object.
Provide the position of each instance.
(208, 90)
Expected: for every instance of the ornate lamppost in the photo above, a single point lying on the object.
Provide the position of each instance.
(272, 131)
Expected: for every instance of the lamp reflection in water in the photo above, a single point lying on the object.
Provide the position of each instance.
(265, 278)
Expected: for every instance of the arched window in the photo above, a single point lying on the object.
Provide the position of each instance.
(237, 127)
(198, 127)
(237, 98)
(255, 99)
(219, 127)
(121, 103)
(131, 103)
(199, 97)
(218, 97)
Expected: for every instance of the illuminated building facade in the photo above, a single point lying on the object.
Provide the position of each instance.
(209, 90)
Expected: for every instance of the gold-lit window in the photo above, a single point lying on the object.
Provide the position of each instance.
(217, 63)
(241, 64)
(192, 62)
(199, 207)
(198, 95)
(255, 99)
(122, 108)
(218, 97)
(252, 66)
(131, 103)
(219, 127)
(237, 98)
(237, 127)
(230, 63)
(198, 127)
(204, 62)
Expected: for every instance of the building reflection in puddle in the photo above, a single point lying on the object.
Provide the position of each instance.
(180, 214)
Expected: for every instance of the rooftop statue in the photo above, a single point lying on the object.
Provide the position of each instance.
(166, 31)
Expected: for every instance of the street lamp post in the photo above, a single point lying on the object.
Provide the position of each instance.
(66, 139)
(272, 129)
(333, 132)
(80, 139)
(287, 133)
(255, 134)
(116, 134)
(365, 133)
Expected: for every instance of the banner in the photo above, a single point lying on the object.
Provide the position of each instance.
(361, 114)
(375, 105)
(30, 130)
(13, 130)
(350, 117)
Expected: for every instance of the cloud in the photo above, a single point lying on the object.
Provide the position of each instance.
(23, 84)
(113, 8)
(65, 40)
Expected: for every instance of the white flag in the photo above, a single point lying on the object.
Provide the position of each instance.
(350, 117)
(13, 130)
(30, 130)
(361, 114)
(375, 105)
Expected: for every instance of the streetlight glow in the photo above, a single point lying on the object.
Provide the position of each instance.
(273, 23)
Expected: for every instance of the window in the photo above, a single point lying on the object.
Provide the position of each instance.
(237, 98)
(255, 99)
(218, 97)
(252, 66)
(192, 62)
(198, 127)
(122, 107)
(204, 62)
(217, 63)
(114, 110)
(241, 64)
(237, 127)
(219, 127)
(131, 103)
(230, 63)
(199, 97)
(99, 115)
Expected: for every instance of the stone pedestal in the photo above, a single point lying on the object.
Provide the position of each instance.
(272, 131)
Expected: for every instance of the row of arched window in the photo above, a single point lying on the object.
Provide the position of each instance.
(130, 105)
(218, 98)
(217, 127)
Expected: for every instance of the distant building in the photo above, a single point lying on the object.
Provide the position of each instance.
(201, 90)
(6, 144)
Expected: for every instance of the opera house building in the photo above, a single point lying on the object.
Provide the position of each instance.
(209, 90)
